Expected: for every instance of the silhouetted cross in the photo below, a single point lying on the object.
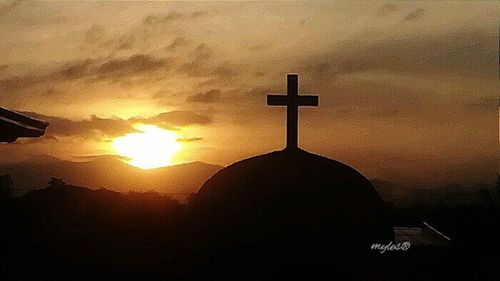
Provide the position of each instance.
(292, 101)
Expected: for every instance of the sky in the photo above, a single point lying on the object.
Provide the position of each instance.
(399, 82)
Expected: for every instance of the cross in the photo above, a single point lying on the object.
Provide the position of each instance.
(292, 101)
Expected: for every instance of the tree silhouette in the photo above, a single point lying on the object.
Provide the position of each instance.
(5, 186)
(498, 187)
(56, 182)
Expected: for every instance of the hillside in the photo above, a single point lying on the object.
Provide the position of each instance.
(111, 173)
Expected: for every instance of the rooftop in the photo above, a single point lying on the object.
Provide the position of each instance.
(15, 125)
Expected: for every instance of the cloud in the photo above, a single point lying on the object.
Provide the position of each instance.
(72, 70)
(97, 127)
(198, 14)
(415, 15)
(52, 93)
(201, 53)
(97, 69)
(94, 34)
(8, 85)
(210, 96)
(174, 16)
(125, 42)
(199, 58)
(387, 9)
(466, 51)
(226, 72)
(162, 18)
(4, 9)
(177, 118)
(189, 139)
(178, 42)
(133, 65)
(485, 104)
(262, 91)
(260, 47)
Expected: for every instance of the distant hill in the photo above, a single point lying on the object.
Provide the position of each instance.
(421, 171)
(111, 173)
(90, 233)
(390, 191)
(448, 194)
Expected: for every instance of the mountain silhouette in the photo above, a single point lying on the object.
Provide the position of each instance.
(64, 231)
(111, 173)
(286, 209)
(90, 234)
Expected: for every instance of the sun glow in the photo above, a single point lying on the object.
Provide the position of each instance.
(150, 148)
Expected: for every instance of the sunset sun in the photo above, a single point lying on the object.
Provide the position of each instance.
(150, 148)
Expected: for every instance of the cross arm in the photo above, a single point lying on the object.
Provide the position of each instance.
(308, 100)
(277, 100)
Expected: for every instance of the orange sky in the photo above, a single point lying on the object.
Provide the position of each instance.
(396, 80)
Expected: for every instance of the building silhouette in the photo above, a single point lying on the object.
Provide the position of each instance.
(14, 125)
(282, 213)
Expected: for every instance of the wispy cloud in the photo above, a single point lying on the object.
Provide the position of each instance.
(98, 127)
(414, 15)
(210, 96)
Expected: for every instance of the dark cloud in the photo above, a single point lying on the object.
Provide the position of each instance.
(4, 9)
(101, 157)
(260, 47)
(125, 42)
(133, 65)
(261, 91)
(414, 15)
(202, 63)
(323, 69)
(178, 42)
(197, 66)
(391, 113)
(97, 127)
(46, 139)
(305, 21)
(485, 104)
(162, 18)
(18, 82)
(466, 51)
(73, 70)
(210, 96)
(93, 127)
(52, 93)
(96, 69)
(198, 14)
(178, 118)
(189, 139)
(122, 67)
(387, 9)
(94, 34)
(201, 53)
(13, 12)
(373, 97)
(225, 72)
(366, 112)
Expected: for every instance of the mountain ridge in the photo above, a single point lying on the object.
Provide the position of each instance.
(110, 173)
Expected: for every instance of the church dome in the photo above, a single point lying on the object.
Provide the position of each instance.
(289, 204)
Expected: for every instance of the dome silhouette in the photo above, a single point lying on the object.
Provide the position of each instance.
(290, 206)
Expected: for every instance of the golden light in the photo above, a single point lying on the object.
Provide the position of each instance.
(150, 148)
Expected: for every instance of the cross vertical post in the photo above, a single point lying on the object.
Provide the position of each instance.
(292, 101)
(292, 116)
